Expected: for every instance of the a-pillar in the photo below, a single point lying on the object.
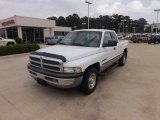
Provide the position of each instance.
(20, 32)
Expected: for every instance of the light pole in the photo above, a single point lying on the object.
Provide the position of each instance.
(157, 10)
(89, 3)
(120, 24)
(134, 29)
(123, 24)
(126, 28)
(83, 25)
(103, 27)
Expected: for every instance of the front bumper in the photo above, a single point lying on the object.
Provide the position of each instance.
(59, 80)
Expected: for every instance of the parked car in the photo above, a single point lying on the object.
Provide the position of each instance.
(120, 36)
(154, 39)
(53, 40)
(7, 42)
(77, 59)
(138, 38)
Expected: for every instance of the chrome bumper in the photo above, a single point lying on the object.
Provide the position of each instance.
(57, 82)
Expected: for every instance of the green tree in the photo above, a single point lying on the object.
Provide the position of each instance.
(101, 22)
(61, 21)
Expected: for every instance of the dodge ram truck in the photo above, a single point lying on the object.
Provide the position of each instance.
(7, 42)
(77, 59)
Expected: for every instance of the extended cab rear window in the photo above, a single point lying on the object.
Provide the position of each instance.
(114, 37)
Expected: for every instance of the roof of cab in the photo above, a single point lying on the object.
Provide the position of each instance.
(100, 30)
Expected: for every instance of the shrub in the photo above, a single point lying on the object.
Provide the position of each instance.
(18, 49)
(18, 40)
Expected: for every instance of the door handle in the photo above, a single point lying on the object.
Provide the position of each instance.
(114, 48)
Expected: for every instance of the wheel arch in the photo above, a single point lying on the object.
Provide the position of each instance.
(126, 50)
(95, 65)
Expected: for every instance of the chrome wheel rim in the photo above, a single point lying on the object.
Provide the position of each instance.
(92, 81)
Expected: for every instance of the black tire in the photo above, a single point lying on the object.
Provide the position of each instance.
(156, 42)
(122, 60)
(139, 41)
(149, 42)
(87, 86)
(10, 44)
(46, 42)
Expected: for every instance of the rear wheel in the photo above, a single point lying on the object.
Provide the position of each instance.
(10, 44)
(46, 42)
(122, 60)
(156, 42)
(89, 82)
(139, 41)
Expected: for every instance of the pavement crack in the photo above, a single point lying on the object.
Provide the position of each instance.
(11, 104)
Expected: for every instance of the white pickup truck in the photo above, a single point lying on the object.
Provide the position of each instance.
(7, 42)
(77, 59)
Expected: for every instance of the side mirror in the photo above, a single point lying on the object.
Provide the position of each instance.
(111, 43)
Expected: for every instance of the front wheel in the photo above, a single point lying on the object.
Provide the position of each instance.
(89, 82)
(122, 60)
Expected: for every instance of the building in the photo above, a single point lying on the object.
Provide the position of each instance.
(30, 29)
(154, 26)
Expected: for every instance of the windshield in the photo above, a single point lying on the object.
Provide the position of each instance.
(83, 38)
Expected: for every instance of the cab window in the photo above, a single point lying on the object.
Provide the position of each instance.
(107, 37)
(114, 37)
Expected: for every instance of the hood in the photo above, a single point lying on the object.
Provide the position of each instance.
(71, 52)
(9, 40)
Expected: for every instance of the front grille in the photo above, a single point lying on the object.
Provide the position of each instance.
(35, 59)
(35, 64)
(50, 62)
(51, 67)
(46, 63)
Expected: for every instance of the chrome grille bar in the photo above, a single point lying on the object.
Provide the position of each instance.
(50, 64)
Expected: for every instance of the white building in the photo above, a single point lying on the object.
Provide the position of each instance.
(155, 26)
(30, 29)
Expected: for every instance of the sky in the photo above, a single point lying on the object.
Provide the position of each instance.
(44, 8)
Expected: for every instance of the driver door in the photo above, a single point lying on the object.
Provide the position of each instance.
(108, 53)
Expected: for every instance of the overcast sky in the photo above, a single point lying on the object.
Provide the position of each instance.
(45, 8)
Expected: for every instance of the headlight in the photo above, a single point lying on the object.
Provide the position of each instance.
(72, 69)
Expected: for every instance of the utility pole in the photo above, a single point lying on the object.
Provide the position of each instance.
(83, 25)
(120, 24)
(89, 3)
(126, 28)
(157, 10)
(123, 25)
(134, 29)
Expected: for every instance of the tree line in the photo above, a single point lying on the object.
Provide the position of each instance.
(113, 22)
